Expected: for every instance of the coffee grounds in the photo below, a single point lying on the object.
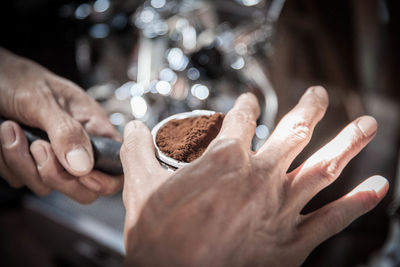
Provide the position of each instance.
(186, 139)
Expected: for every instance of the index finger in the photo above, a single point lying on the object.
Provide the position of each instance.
(85, 109)
(240, 122)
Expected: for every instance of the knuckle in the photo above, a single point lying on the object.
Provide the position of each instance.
(22, 99)
(68, 129)
(228, 152)
(300, 130)
(357, 140)
(243, 116)
(329, 170)
(336, 221)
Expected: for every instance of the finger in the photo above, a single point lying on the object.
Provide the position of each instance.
(295, 129)
(84, 108)
(18, 159)
(69, 141)
(101, 126)
(138, 155)
(334, 217)
(240, 122)
(53, 174)
(102, 183)
(5, 173)
(323, 167)
(142, 172)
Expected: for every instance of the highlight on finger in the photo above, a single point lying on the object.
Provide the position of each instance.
(325, 166)
(377, 184)
(336, 216)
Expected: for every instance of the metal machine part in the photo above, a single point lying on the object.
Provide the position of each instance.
(179, 56)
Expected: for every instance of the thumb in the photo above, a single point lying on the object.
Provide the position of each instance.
(142, 172)
(69, 141)
(138, 159)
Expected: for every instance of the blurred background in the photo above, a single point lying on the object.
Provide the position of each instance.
(150, 59)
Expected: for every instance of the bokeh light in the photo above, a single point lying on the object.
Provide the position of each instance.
(163, 87)
(200, 91)
(138, 106)
(262, 131)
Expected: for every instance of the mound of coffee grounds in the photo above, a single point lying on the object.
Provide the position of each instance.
(186, 139)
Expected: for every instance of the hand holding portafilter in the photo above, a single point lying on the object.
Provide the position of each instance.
(31, 95)
(236, 207)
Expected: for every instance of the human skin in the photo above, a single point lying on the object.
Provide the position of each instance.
(34, 96)
(235, 207)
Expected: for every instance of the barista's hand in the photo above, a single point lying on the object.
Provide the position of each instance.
(32, 95)
(234, 207)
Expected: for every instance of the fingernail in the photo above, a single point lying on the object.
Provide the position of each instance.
(378, 183)
(131, 127)
(40, 155)
(91, 183)
(246, 95)
(319, 91)
(375, 183)
(367, 125)
(79, 160)
(8, 136)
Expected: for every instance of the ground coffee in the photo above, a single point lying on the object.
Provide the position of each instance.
(186, 139)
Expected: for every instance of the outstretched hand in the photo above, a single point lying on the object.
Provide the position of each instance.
(235, 207)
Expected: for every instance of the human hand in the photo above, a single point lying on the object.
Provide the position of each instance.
(235, 207)
(32, 95)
